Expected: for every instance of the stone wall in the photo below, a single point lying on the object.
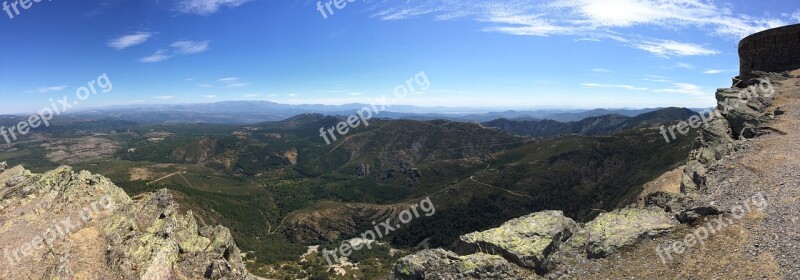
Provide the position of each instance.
(774, 50)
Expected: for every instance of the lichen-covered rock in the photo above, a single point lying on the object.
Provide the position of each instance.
(613, 230)
(568, 254)
(75, 225)
(686, 208)
(526, 241)
(441, 264)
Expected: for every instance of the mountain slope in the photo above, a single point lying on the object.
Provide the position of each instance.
(593, 125)
(736, 203)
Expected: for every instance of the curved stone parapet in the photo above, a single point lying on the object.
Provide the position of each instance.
(774, 50)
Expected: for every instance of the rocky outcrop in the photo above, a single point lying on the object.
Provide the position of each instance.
(624, 227)
(540, 242)
(526, 241)
(76, 225)
(742, 113)
(441, 264)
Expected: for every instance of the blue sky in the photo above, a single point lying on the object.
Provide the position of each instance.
(500, 54)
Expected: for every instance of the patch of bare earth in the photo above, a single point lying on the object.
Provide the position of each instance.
(140, 174)
(669, 182)
(81, 149)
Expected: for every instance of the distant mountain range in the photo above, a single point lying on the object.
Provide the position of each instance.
(591, 126)
(251, 112)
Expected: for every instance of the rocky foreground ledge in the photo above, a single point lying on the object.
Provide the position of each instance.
(548, 245)
(75, 225)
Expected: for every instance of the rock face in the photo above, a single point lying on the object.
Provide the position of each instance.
(773, 50)
(742, 113)
(624, 227)
(441, 264)
(526, 241)
(539, 242)
(76, 225)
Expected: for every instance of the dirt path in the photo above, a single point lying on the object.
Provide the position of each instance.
(472, 178)
(165, 177)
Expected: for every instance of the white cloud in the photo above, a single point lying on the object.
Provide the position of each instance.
(600, 70)
(251, 95)
(190, 47)
(666, 13)
(292, 94)
(164, 97)
(178, 48)
(232, 82)
(398, 14)
(355, 93)
(669, 48)
(208, 96)
(130, 40)
(796, 15)
(158, 56)
(207, 7)
(626, 87)
(593, 20)
(684, 65)
(685, 88)
(717, 71)
(50, 89)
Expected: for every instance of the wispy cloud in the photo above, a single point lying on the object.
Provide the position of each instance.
(206, 7)
(158, 56)
(190, 47)
(164, 97)
(626, 87)
(685, 88)
(669, 48)
(232, 82)
(592, 20)
(717, 71)
(178, 48)
(130, 40)
(684, 65)
(208, 96)
(252, 95)
(398, 14)
(600, 70)
(796, 15)
(50, 89)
